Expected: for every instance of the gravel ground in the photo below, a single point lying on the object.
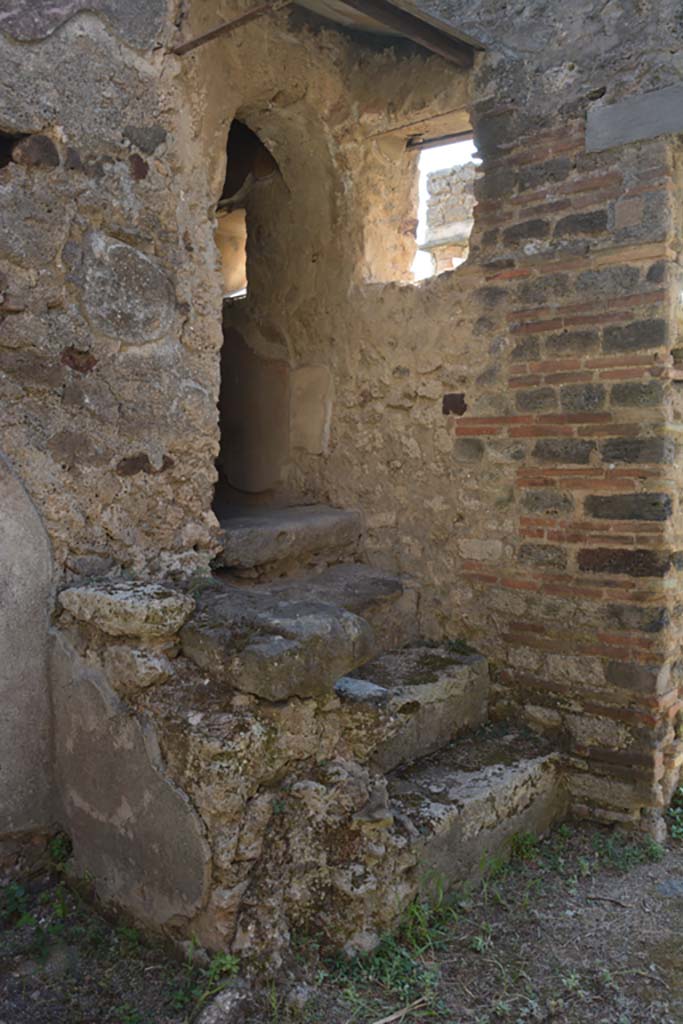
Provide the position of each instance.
(585, 927)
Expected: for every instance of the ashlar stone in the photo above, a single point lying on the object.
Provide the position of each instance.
(126, 294)
(128, 609)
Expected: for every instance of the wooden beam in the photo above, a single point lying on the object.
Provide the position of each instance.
(439, 140)
(230, 26)
(412, 27)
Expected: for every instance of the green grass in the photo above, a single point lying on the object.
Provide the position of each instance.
(402, 968)
(676, 815)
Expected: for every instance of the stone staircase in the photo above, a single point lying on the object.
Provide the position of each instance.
(296, 616)
(329, 762)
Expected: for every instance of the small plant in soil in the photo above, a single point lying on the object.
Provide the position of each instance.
(676, 815)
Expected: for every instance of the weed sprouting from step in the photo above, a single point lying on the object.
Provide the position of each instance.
(59, 851)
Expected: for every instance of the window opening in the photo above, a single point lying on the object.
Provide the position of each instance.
(445, 207)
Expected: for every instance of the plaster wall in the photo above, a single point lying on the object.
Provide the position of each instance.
(25, 597)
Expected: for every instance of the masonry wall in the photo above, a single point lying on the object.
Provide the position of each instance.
(546, 518)
(509, 430)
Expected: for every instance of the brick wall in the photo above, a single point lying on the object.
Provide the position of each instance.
(576, 252)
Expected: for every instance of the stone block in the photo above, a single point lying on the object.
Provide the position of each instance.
(468, 449)
(137, 23)
(647, 507)
(637, 393)
(628, 212)
(543, 556)
(126, 293)
(608, 281)
(572, 343)
(528, 349)
(526, 230)
(623, 561)
(259, 642)
(643, 334)
(475, 808)
(280, 538)
(632, 617)
(546, 501)
(480, 549)
(122, 608)
(146, 138)
(549, 172)
(646, 679)
(644, 116)
(582, 397)
(430, 695)
(563, 450)
(536, 400)
(591, 223)
(639, 450)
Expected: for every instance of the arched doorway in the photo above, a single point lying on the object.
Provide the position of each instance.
(254, 395)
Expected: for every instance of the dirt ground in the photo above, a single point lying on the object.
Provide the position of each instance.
(585, 927)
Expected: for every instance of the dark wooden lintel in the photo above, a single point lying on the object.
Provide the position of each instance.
(412, 27)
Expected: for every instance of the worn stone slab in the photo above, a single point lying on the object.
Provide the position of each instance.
(135, 833)
(462, 811)
(122, 608)
(429, 695)
(646, 116)
(266, 537)
(387, 602)
(273, 647)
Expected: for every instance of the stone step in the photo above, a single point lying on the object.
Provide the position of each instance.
(296, 637)
(387, 602)
(417, 700)
(463, 806)
(262, 541)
